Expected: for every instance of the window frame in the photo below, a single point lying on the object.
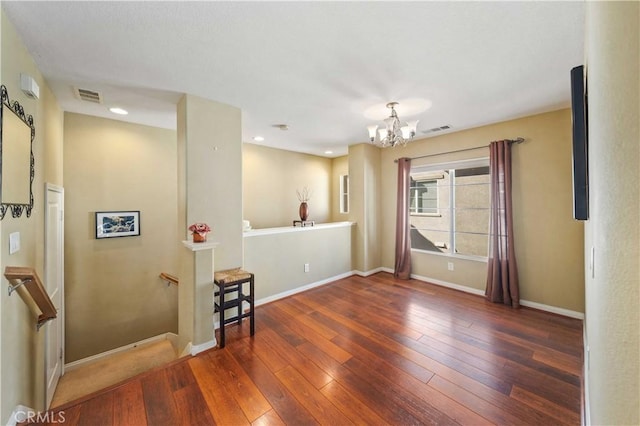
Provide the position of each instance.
(451, 165)
(344, 194)
(436, 213)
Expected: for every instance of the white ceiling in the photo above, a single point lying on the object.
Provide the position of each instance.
(316, 66)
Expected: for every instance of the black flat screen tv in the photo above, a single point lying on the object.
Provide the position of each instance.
(580, 144)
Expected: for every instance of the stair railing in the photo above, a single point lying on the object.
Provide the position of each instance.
(19, 276)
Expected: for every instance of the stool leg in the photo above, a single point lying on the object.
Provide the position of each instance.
(222, 315)
(251, 317)
(239, 295)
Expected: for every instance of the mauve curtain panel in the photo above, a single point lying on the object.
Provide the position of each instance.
(403, 236)
(502, 274)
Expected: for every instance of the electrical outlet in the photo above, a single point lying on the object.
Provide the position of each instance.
(14, 242)
(306, 267)
(450, 266)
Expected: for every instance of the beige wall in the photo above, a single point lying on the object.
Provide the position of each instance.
(210, 191)
(214, 174)
(365, 199)
(270, 179)
(21, 347)
(113, 294)
(326, 250)
(612, 364)
(548, 241)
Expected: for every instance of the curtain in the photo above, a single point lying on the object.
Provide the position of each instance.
(502, 274)
(403, 240)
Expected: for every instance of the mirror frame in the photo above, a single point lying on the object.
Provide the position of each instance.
(16, 208)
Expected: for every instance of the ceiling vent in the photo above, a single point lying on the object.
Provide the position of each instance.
(437, 129)
(88, 95)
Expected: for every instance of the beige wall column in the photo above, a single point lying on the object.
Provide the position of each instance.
(364, 182)
(612, 365)
(210, 191)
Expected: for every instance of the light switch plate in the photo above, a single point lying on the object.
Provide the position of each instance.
(14, 242)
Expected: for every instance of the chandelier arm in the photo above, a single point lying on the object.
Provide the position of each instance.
(394, 135)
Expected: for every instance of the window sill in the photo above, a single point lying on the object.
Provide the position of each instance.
(483, 259)
(426, 214)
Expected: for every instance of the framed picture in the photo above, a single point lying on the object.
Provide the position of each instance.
(117, 224)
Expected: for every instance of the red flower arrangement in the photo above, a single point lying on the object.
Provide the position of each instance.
(199, 231)
(200, 228)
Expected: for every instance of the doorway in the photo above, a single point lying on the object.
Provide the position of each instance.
(54, 283)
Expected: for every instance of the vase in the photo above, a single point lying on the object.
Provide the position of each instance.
(199, 237)
(304, 211)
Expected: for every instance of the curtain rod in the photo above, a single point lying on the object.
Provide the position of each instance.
(511, 141)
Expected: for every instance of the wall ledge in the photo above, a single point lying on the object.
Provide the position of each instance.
(287, 229)
(200, 246)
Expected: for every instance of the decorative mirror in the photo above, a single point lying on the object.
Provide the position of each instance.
(16, 158)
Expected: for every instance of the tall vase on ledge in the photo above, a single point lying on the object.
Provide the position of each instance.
(304, 211)
(303, 197)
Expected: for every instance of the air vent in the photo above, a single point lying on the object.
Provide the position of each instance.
(88, 95)
(437, 129)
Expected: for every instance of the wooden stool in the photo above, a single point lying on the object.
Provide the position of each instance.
(231, 281)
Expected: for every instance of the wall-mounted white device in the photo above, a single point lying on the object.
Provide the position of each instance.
(14, 242)
(29, 86)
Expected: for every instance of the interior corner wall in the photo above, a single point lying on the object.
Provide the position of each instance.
(270, 178)
(113, 294)
(364, 196)
(21, 346)
(612, 325)
(549, 243)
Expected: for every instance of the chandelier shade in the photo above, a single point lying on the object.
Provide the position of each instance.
(393, 133)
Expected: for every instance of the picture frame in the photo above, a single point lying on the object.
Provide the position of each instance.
(115, 224)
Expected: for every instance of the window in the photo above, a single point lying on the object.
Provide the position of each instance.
(344, 194)
(450, 206)
(423, 197)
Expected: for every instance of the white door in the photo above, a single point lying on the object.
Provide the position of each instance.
(54, 282)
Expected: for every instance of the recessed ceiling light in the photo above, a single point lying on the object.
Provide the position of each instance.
(258, 138)
(328, 152)
(119, 111)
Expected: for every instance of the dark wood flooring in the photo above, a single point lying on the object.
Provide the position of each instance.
(366, 351)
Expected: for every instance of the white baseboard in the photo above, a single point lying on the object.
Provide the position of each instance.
(75, 364)
(371, 272)
(196, 349)
(301, 289)
(186, 350)
(447, 284)
(535, 305)
(553, 309)
(586, 409)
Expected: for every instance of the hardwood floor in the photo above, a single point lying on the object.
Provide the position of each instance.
(365, 351)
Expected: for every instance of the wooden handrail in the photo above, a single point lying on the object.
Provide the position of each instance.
(170, 279)
(27, 277)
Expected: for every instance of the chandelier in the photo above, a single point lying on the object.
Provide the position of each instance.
(392, 134)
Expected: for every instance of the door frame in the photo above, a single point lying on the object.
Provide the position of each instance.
(61, 311)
